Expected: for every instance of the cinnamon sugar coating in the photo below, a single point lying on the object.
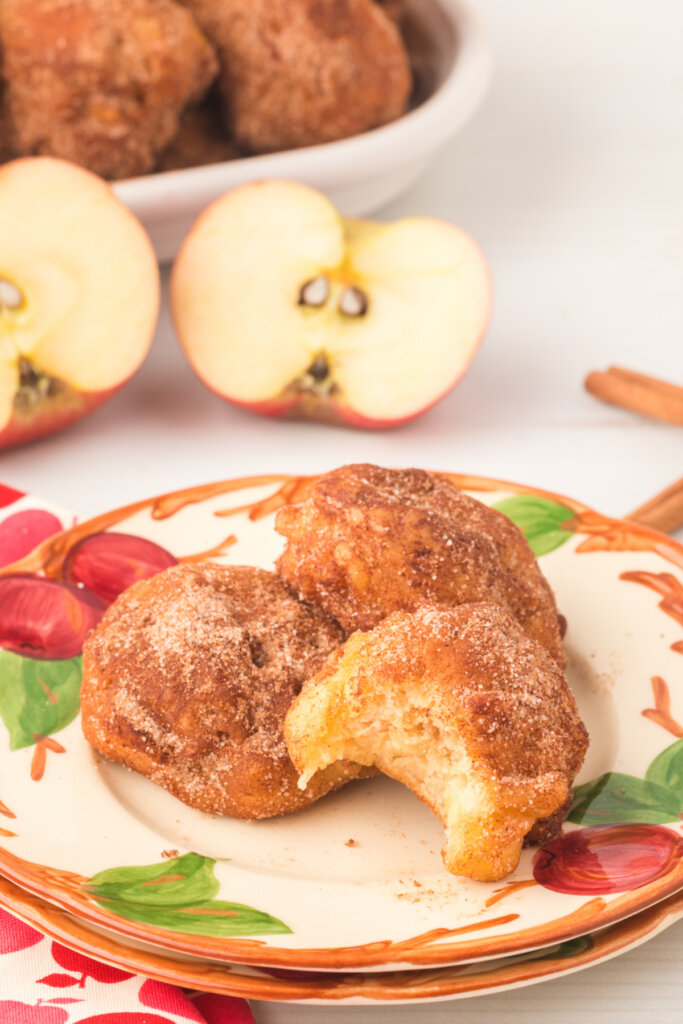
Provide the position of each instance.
(187, 680)
(302, 72)
(465, 709)
(369, 541)
(100, 82)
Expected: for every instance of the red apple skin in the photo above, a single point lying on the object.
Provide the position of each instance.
(49, 420)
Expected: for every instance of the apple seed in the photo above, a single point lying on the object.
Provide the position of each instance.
(10, 296)
(315, 292)
(353, 302)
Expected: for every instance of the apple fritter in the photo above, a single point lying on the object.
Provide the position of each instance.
(100, 82)
(187, 680)
(368, 541)
(461, 706)
(301, 72)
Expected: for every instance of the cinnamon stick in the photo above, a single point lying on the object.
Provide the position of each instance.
(663, 512)
(638, 393)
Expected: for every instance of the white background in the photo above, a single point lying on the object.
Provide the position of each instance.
(571, 178)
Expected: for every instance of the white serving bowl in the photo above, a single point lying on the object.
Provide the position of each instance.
(359, 174)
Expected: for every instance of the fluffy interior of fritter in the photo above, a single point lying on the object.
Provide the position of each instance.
(395, 732)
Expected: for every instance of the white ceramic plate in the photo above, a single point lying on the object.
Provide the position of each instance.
(355, 989)
(125, 856)
(358, 174)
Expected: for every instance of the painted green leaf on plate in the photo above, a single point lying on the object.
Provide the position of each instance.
(214, 917)
(667, 770)
(615, 798)
(540, 520)
(178, 882)
(178, 894)
(37, 697)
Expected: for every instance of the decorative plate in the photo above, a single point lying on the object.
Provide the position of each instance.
(357, 988)
(356, 881)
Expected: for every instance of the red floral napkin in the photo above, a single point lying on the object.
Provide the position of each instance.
(43, 982)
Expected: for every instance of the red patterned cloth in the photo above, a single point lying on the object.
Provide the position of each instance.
(43, 982)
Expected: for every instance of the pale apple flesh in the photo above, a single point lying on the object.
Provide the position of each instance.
(79, 295)
(285, 308)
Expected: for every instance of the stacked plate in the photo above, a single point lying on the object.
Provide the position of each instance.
(348, 901)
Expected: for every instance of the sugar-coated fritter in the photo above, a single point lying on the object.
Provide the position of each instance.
(368, 541)
(301, 72)
(187, 680)
(100, 82)
(465, 709)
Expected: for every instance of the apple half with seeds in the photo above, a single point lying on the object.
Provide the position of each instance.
(79, 296)
(285, 308)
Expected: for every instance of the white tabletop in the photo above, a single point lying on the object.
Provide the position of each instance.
(571, 178)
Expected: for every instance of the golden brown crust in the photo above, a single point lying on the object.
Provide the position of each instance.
(100, 82)
(369, 541)
(464, 708)
(187, 680)
(301, 72)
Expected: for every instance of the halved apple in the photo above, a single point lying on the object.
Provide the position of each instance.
(79, 296)
(285, 308)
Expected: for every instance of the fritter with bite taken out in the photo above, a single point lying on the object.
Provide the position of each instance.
(463, 708)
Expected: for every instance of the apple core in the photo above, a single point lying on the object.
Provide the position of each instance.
(34, 386)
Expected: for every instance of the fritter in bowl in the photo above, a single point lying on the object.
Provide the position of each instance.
(304, 72)
(102, 83)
